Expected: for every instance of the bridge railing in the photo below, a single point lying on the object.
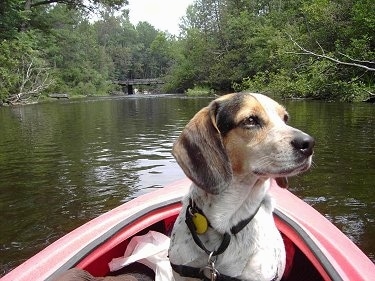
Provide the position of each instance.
(146, 81)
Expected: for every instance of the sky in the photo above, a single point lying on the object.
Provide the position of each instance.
(162, 14)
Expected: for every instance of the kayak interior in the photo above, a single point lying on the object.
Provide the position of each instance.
(162, 220)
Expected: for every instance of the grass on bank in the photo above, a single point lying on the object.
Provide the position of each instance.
(199, 91)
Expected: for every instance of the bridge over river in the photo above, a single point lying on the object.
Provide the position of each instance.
(127, 84)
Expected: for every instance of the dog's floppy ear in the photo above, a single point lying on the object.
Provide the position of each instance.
(200, 152)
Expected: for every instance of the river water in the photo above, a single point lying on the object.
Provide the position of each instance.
(64, 163)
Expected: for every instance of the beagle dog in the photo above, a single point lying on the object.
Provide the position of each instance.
(231, 150)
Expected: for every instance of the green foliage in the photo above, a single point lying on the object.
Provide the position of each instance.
(23, 68)
(294, 48)
(83, 57)
(8, 65)
(199, 91)
(252, 45)
(11, 17)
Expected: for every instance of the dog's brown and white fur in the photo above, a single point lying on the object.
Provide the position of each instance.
(231, 150)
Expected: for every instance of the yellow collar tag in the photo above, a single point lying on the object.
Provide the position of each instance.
(200, 223)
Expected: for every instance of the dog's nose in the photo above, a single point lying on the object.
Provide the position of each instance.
(303, 143)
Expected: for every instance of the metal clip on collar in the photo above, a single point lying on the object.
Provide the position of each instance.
(209, 271)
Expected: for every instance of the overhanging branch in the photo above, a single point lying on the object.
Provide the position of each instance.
(47, 2)
(355, 63)
(71, 3)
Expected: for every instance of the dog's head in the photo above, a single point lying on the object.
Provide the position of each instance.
(241, 135)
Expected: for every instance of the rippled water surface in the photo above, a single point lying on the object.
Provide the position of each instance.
(63, 163)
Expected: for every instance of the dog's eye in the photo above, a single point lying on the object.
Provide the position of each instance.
(251, 122)
(286, 118)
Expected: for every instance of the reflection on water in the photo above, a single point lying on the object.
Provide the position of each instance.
(66, 162)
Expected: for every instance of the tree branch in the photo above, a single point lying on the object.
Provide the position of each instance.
(47, 2)
(370, 93)
(359, 61)
(35, 78)
(324, 56)
(70, 3)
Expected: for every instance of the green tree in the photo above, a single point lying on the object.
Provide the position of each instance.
(162, 55)
(11, 16)
(82, 64)
(294, 48)
(24, 73)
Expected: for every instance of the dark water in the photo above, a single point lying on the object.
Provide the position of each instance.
(63, 163)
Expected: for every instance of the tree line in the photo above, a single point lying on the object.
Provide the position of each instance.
(55, 47)
(292, 48)
(320, 49)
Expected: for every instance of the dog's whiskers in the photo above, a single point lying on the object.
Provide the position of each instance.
(264, 162)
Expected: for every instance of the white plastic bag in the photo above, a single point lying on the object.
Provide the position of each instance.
(151, 250)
